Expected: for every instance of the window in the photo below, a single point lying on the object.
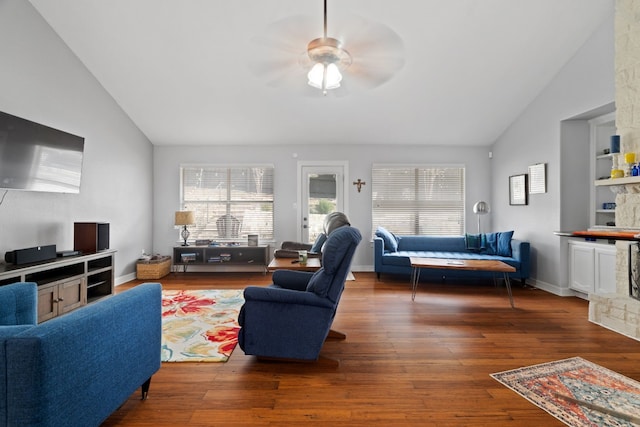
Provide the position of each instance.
(229, 202)
(418, 199)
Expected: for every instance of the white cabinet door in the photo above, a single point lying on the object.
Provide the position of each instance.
(581, 273)
(605, 270)
(593, 267)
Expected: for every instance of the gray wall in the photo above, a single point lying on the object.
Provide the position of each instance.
(167, 160)
(584, 84)
(41, 80)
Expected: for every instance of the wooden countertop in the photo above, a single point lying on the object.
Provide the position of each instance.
(602, 234)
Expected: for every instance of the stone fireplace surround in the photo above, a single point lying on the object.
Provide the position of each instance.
(619, 311)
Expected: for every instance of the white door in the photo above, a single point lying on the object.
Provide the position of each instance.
(321, 192)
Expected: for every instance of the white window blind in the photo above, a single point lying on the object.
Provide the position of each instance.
(230, 202)
(418, 199)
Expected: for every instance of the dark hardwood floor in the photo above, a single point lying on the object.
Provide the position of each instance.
(423, 363)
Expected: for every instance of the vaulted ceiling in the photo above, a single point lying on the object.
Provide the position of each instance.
(228, 72)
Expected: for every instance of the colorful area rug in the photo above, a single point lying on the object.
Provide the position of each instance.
(200, 325)
(578, 392)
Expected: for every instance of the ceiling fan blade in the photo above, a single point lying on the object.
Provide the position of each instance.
(276, 74)
(289, 34)
(372, 72)
(275, 53)
(377, 51)
(375, 39)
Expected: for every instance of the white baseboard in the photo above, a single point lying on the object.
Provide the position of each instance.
(362, 268)
(124, 279)
(552, 289)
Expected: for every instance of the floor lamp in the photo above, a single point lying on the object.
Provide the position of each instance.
(480, 208)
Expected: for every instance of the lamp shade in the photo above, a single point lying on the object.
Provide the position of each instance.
(185, 218)
(481, 208)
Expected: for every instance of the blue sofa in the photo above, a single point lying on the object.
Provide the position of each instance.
(393, 257)
(76, 369)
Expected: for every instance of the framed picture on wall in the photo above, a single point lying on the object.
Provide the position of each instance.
(518, 189)
(537, 178)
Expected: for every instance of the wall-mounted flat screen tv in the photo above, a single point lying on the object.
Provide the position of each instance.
(36, 157)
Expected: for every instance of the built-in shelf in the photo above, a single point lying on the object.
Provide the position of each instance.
(601, 129)
(618, 181)
(93, 285)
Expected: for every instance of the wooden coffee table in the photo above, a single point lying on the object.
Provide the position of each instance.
(313, 264)
(460, 264)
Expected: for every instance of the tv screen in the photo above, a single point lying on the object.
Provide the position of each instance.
(35, 157)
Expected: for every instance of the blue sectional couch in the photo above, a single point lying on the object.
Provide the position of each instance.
(392, 253)
(76, 369)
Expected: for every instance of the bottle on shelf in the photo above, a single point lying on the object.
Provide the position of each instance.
(616, 172)
(629, 162)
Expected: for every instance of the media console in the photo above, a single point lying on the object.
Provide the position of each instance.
(66, 283)
(223, 257)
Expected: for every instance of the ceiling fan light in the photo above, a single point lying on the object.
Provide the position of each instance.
(324, 76)
(316, 76)
(333, 77)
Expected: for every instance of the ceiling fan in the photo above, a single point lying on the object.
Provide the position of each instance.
(373, 55)
(328, 58)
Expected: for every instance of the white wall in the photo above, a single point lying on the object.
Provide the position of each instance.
(167, 160)
(41, 80)
(584, 84)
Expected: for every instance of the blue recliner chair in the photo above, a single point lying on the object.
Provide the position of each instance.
(291, 318)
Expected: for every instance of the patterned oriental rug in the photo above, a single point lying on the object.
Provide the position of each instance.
(200, 325)
(577, 392)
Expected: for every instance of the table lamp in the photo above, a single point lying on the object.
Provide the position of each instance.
(185, 218)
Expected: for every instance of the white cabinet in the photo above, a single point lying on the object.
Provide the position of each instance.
(581, 276)
(605, 269)
(592, 267)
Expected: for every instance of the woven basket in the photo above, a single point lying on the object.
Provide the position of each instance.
(153, 269)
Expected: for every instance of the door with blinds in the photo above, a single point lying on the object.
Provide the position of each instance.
(321, 192)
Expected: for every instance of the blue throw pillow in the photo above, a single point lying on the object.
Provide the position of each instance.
(491, 245)
(317, 245)
(475, 242)
(499, 243)
(504, 243)
(390, 242)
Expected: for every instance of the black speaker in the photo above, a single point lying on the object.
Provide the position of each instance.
(31, 255)
(90, 237)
